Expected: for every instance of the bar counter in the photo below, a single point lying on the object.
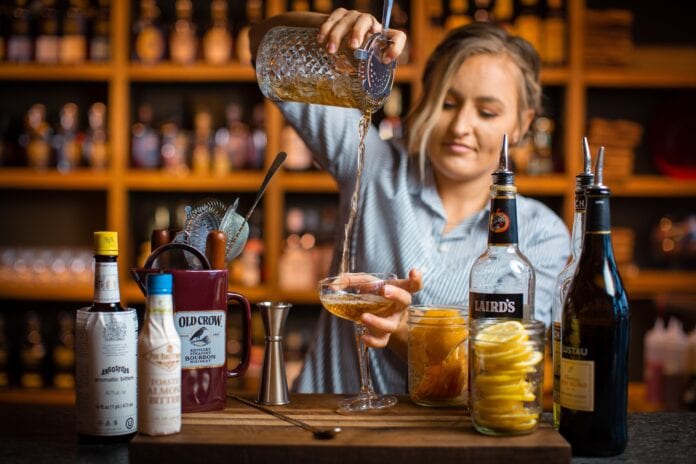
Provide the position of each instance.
(35, 433)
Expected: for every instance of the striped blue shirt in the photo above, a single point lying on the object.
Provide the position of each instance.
(399, 227)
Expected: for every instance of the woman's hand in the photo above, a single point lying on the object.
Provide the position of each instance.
(392, 329)
(357, 26)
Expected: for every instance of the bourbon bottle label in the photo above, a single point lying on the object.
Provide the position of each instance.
(202, 336)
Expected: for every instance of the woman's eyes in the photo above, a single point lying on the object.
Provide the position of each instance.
(450, 105)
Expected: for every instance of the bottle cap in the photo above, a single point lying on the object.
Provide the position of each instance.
(159, 284)
(106, 243)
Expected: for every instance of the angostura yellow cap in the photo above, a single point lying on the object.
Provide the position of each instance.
(106, 243)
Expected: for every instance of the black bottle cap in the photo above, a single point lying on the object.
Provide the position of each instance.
(503, 176)
(585, 178)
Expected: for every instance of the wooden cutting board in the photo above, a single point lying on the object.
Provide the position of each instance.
(403, 434)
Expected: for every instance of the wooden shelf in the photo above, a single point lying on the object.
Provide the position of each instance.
(650, 67)
(548, 185)
(316, 182)
(647, 283)
(50, 179)
(241, 181)
(47, 291)
(198, 72)
(652, 186)
(59, 72)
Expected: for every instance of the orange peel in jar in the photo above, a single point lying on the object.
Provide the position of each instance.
(438, 355)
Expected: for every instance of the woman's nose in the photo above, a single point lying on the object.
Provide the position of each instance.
(463, 121)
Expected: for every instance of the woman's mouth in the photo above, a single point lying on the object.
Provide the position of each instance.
(458, 147)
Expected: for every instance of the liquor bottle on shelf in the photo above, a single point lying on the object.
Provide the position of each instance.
(99, 44)
(149, 39)
(528, 23)
(481, 14)
(4, 354)
(174, 148)
(259, 138)
(459, 14)
(64, 352)
(36, 138)
(73, 42)
(595, 338)
(19, 43)
(33, 352)
(503, 11)
(145, 143)
(502, 278)
(67, 142)
(94, 149)
(183, 43)
(217, 41)
(436, 26)
(202, 142)
(47, 40)
(254, 10)
(554, 30)
(565, 277)
(541, 159)
(3, 26)
(159, 362)
(106, 355)
(239, 143)
(294, 273)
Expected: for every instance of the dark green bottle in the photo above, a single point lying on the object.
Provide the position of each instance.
(594, 339)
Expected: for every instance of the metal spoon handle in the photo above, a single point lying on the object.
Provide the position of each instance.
(319, 433)
(277, 162)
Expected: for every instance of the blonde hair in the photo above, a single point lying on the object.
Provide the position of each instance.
(443, 64)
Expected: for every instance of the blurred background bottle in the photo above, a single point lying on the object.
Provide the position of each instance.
(183, 42)
(73, 41)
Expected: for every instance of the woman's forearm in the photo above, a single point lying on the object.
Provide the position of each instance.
(292, 18)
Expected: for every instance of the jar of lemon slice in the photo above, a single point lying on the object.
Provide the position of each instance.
(507, 372)
(438, 355)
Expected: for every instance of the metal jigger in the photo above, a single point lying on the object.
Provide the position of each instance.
(273, 389)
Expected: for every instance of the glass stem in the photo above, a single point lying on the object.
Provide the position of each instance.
(364, 362)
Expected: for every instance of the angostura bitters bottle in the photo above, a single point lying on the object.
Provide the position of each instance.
(501, 283)
(582, 182)
(594, 339)
(106, 355)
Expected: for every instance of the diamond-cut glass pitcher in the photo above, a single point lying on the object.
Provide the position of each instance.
(292, 66)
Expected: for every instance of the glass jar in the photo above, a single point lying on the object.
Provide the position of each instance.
(292, 66)
(438, 372)
(507, 373)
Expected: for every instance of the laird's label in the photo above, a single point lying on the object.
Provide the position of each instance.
(507, 305)
(202, 336)
(502, 223)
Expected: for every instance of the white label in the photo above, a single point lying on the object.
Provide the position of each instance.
(159, 370)
(202, 336)
(577, 384)
(106, 283)
(106, 372)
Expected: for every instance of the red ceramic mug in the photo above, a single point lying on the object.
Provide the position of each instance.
(201, 303)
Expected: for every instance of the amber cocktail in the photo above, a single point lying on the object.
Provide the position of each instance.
(348, 296)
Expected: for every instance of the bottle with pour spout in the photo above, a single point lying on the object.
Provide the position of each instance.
(582, 182)
(501, 283)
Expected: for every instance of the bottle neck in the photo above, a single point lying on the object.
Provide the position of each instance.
(596, 244)
(502, 222)
(106, 290)
(578, 224)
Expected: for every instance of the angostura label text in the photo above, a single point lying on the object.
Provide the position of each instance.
(496, 305)
(202, 336)
(106, 372)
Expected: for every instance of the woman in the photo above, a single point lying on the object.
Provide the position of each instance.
(423, 208)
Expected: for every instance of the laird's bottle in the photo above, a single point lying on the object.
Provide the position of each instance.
(159, 362)
(595, 339)
(106, 355)
(582, 182)
(501, 283)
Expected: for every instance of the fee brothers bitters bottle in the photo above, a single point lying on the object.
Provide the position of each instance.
(106, 357)
(565, 277)
(594, 339)
(501, 283)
